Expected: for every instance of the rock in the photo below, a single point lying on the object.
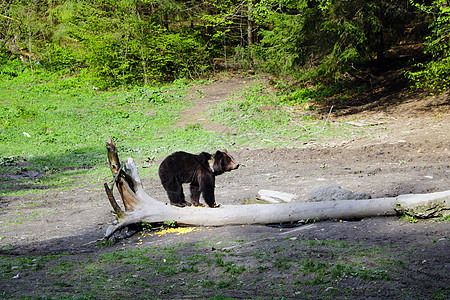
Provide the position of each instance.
(274, 196)
(361, 196)
(333, 192)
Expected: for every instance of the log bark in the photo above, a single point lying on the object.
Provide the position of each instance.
(140, 207)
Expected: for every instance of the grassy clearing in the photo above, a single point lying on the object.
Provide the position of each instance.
(53, 130)
(56, 127)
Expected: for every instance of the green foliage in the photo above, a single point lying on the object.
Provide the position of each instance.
(435, 74)
(133, 47)
(409, 218)
(120, 43)
(314, 94)
(10, 68)
(327, 38)
(281, 50)
(170, 224)
(58, 58)
(127, 42)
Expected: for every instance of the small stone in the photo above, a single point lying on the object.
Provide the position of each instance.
(333, 192)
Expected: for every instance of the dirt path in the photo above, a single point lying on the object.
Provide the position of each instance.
(204, 96)
(408, 151)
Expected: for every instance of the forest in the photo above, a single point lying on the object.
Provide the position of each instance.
(124, 43)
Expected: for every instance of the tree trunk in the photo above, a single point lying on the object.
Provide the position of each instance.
(140, 207)
(249, 24)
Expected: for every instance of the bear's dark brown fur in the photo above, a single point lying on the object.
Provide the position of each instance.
(198, 170)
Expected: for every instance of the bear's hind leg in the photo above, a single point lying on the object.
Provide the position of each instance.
(177, 199)
(175, 193)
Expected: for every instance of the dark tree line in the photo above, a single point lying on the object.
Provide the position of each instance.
(125, 42)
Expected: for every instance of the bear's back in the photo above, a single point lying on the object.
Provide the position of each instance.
(183, 162)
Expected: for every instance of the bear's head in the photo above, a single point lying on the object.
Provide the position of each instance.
(223, 162)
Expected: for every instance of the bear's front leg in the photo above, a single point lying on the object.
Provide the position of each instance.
(195, 194)
(208, 195)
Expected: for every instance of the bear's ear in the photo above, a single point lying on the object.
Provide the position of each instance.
(225, 151)
(206, 155)
(218, 154)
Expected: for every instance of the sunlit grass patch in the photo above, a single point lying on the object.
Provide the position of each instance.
(260, 118)
(58, 128)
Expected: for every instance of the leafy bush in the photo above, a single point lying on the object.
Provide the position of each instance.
(316, 94)
(10, 68)
(59, 58)
(435, 74)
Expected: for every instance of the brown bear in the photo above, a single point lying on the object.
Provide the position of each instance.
(198, 170)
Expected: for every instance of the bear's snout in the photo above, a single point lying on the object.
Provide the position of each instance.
(231, 166)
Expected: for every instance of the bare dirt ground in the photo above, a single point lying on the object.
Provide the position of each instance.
(407, 150)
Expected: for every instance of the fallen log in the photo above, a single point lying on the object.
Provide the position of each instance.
(140, 207)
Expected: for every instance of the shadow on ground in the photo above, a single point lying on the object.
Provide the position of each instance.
(18, 173)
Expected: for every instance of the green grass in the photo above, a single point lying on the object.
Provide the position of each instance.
(408, 218)
(58, 127)
(260, 118)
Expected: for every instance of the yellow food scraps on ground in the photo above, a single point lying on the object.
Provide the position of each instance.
(178, 231)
